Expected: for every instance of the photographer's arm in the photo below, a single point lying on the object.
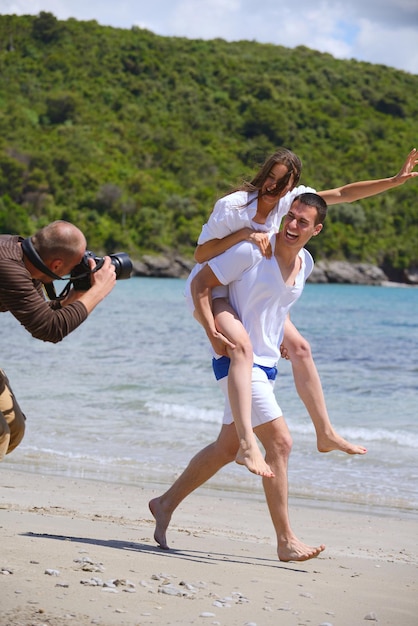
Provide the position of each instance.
(24, 298)
(102, 283)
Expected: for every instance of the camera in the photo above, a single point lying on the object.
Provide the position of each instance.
(80, 274)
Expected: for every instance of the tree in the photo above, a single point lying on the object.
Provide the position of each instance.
(46, 27)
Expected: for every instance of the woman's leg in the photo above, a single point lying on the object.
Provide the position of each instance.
(309, 387)
(239, 386)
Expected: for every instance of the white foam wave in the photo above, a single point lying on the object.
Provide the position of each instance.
(190, 413)
(399, 437)
(185, 412)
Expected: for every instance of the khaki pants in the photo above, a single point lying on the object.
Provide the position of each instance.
(12, 420)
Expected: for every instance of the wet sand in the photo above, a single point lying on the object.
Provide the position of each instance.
(82, 552)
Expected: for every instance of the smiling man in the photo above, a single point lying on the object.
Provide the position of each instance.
(261, 291)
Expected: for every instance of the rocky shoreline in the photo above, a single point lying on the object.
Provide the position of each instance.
(342, 272)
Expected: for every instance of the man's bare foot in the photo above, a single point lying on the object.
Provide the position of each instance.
(162, 520)
(249, 454)
(332, 441)
(295, 550)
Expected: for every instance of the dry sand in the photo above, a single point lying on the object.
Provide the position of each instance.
(80, 552)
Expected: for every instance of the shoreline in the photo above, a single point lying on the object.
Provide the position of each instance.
(64, 539)
(172, 265)
(239, 486)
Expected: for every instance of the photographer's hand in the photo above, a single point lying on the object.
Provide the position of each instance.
(102, 283)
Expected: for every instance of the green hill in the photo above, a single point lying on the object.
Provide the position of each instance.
(133, 136)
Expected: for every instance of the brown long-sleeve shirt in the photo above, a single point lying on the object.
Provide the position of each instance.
(24, 297)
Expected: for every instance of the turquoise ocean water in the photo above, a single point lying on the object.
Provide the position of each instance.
(130, 395)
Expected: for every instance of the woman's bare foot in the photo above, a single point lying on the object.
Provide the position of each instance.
(332, 441)
(295, 550)
(162, 520)
(249, 454)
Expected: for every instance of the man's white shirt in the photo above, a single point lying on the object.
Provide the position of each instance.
(259, 295)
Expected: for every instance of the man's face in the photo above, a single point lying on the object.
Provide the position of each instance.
(299, 225)
(63, 267)
(69, 265)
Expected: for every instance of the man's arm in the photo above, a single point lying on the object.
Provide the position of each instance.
(102, 283)
(367, 188)
(25, 300)
(201, 290)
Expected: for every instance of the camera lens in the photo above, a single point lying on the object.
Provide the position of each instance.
(122, 264)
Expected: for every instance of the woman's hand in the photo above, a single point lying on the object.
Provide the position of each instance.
(262, 240)
(407, 168)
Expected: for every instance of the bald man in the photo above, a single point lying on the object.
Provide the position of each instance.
(26, 265)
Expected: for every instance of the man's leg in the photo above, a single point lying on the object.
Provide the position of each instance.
(4, 436)
(12, 420)
(203, 466)
(277, 442)
(309, 387)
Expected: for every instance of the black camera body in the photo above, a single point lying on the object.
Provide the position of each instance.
(81, 273)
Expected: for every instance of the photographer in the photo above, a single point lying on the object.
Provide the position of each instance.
(26, 266)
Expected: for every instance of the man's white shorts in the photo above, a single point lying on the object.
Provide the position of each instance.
(265, 407)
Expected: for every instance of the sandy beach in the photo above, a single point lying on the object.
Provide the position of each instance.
(82, 552)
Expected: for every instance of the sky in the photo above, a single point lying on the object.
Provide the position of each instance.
(375, 31)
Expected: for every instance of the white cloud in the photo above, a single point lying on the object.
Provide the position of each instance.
(384, 32)
(396, 46)
(205, 20)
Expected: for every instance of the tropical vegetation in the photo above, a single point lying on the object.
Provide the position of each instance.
(133, 136)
